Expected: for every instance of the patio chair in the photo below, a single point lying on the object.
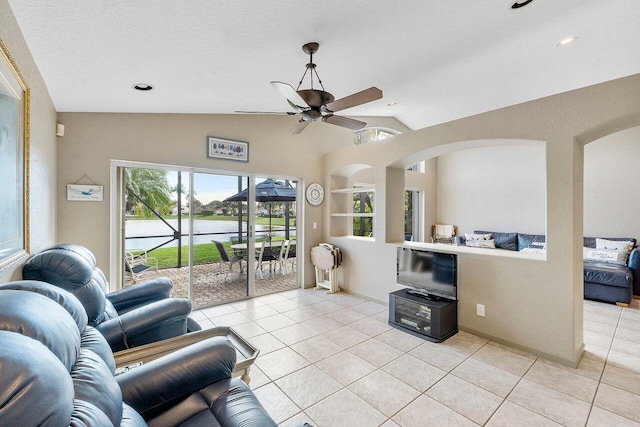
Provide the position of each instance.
(225, 259)
(137, 261)
(291, 254)
(234, 240)
(282, 257)
(265, 254)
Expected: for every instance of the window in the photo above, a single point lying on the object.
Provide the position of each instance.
(372, 134)
(363, 214)
(412, 216)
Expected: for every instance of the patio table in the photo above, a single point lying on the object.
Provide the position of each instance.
(243, 246)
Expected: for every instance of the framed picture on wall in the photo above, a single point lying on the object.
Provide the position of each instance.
(14, 161)
(84, 193)
(227, 149)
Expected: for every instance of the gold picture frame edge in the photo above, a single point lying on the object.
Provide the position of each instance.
(26, 138)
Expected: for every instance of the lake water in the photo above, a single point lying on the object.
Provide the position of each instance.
(153, 227)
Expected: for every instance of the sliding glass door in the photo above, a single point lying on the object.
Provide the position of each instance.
(204, 231)
(220, 239)
(275, 236)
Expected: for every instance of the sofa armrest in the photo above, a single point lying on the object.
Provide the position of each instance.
(157, 385)
(142, 293)
(634, 266)
(157, 321)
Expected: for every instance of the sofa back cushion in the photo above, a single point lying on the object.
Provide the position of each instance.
(503, 240)
(55, 370)
(525, 240)
(74, 272)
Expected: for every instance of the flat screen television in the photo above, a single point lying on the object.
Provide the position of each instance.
(430, 274)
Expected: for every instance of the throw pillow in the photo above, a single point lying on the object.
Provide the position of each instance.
(470, 236)
(507, 241)
(482, 243)
(618, 245)
(606, 255)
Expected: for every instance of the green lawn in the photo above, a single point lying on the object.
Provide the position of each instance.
(203, 254)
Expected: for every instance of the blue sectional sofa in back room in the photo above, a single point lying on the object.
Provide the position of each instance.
(603, 281)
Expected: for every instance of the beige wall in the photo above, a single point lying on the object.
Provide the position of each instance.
(530, 303)
(494, 189)
(503, 188)
(42, 165)
(92, 140)
(612, 185)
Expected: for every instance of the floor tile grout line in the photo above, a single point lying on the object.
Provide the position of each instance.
(482, 388)
(506, 398)
(343, 386)
(606, 362)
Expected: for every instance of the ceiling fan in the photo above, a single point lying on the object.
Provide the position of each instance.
(313, 104)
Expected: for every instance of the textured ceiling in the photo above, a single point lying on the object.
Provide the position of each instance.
(439, 60)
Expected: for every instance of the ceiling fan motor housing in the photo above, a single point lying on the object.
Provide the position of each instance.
(315, 98)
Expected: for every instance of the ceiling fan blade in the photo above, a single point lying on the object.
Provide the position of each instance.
(292, 96)
(276, 113)
(358, 98)
(345, 122)
(298, 127)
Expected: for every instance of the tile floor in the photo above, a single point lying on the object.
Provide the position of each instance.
(332, 360)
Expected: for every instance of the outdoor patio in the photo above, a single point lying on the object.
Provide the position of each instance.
(211, 288)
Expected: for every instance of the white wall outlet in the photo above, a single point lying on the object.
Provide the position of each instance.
(480, 310)
(315, 225)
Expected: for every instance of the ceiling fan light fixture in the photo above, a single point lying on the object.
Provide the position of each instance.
(567, 41)
(319, 105)
(143, 87)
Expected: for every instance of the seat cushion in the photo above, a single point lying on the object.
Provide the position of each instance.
(607, 274)
(225, 403)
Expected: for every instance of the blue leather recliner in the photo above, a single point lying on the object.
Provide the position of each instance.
(56, 370)
(136, 315)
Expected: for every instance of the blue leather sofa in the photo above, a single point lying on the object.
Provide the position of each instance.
(602, 281)
(136, 315)
(612, 282)
(56, 370)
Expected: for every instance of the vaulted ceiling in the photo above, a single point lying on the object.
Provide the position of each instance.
(438, 60)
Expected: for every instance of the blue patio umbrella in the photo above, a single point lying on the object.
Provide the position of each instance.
(268, 191)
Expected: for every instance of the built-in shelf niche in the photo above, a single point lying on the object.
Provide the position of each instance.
(343, 190)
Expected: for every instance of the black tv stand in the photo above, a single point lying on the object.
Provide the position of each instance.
(421, 294)
(433, 320)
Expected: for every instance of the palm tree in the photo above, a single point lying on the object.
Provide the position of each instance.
(149, 185)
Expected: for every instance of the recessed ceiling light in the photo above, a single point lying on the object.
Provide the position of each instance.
(142, 87)
(391, 104)
(566, 41)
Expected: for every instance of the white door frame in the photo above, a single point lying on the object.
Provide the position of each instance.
(116, 218)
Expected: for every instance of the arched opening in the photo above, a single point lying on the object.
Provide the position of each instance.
(497, 185)
(610, 196)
